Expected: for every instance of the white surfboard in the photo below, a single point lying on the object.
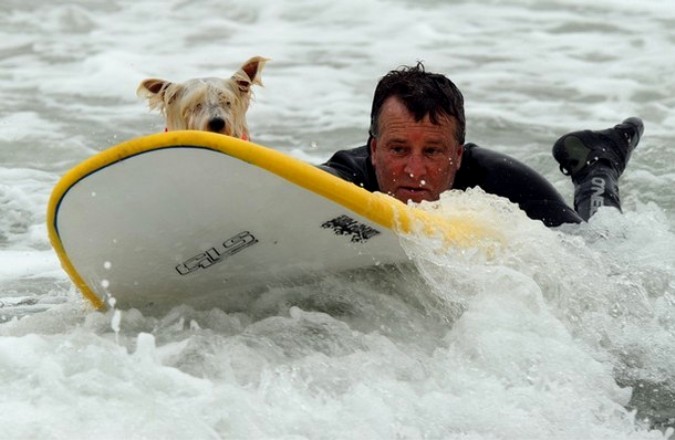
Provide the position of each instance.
(202, 219)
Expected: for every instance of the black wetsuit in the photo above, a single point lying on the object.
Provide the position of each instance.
(494, 172)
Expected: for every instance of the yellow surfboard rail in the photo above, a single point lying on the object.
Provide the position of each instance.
(380, 208)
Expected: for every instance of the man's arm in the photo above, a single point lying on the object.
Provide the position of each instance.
(502, 175)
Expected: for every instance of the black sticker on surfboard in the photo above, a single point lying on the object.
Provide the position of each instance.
(216, 254)
(345, 225)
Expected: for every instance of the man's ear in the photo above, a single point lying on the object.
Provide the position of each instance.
(249, 73)
(372, 146)
(460, 154)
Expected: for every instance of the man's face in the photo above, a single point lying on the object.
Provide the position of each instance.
(414, 160)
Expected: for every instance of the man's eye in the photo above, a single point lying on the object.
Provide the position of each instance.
(398, 150)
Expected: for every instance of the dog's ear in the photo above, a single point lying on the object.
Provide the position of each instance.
(152, 86)
(158, 92)
(249, 73)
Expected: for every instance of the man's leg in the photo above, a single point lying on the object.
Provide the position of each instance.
(595, 160)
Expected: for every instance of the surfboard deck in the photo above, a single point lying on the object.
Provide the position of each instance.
(202, 219)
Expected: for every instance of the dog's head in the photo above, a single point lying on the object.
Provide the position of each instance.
(209, 104)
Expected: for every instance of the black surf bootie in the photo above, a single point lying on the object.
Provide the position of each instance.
(595, 160)
(581, 149)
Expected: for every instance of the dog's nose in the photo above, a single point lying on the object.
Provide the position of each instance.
(216, 124)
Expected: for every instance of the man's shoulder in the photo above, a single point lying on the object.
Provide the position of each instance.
(482, 165)
(472, 170)
(355, 152)
(353, 165)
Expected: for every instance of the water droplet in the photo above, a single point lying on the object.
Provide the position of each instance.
(115, 321)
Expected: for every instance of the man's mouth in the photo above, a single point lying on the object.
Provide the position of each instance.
(414, 193)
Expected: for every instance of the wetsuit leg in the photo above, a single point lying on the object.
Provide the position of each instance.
(599, 187)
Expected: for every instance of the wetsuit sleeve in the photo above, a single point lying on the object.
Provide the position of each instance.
(505, 176)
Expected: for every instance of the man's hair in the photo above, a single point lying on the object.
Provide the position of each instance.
(423, 94)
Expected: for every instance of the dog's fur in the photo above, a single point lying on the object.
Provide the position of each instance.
(209, 104)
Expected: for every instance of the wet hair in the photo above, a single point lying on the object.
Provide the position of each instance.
(423, 94)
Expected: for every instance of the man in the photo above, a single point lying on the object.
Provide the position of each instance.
(416, 150)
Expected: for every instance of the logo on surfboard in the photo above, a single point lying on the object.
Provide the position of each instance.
(345, 225)
(216, 254)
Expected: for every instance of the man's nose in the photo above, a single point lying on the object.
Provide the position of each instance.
(415, 166)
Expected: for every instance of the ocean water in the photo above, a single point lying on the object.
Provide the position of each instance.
(551, 334)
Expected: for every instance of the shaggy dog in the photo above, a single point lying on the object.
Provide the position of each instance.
(209, 104)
